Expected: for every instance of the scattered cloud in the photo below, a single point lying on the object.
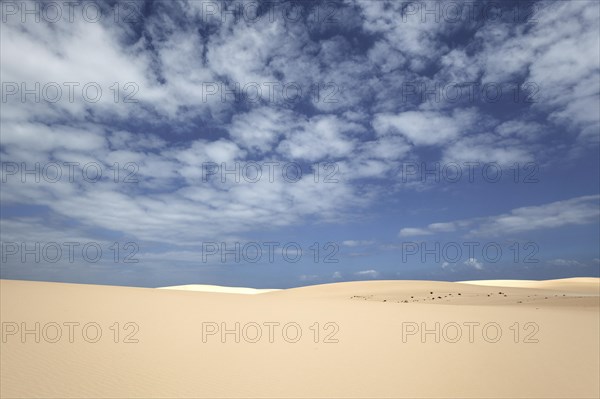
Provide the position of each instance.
(565, 262)
(474, 263)
(575, 211)
(426, 127)
(357, 243)
(414, 231)
(350, 78)
(367, 273)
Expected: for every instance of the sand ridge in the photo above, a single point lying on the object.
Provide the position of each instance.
(218, 289)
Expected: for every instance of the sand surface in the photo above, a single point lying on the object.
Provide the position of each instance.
(358, 339)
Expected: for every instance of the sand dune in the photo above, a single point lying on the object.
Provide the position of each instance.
(358, 339)
(218, 288)
(578, 284)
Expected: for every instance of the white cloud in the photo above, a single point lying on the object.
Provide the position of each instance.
(430, 229)
(308, 277)
(368, 273)
(565, 262)
(574, 211)
(557, 57)
(486, 149)
(524, 129)
(474, 263)
(260, 128)
(322, 137)
(413, 231)
(442, 227)
(404, 37)
(425, 127)
(356, 243)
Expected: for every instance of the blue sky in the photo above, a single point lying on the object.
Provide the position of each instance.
(406, 140)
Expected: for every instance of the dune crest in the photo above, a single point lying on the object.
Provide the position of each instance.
(218, 289)
(579, 284)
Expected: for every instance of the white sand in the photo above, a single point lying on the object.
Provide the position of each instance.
(218, 288)
(577, 284)
(374, 357)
